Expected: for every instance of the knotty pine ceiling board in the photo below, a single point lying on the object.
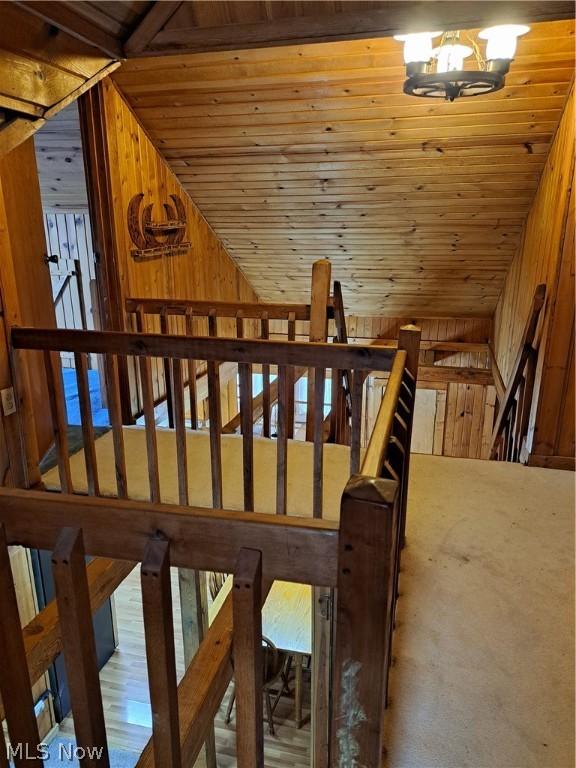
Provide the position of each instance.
(60, 162)
(303, 152)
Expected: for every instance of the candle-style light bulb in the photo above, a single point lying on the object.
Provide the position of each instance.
(501, 40)
(417, 47)
(451, 54)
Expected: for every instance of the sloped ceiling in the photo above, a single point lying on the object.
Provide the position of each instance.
(302, 152)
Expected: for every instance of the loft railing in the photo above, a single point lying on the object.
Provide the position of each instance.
(218, 319)
(231, 319)
(341, 407)
(359, 556)
(257, 549)
(283, 357)
(511, 425)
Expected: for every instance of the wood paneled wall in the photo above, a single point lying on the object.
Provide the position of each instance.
(451, 418)
(24, 276)
(122, 162)
(465, 329)
(206, 271)
(26, 299)
(554, 429)
(546, 256)
(61, 162)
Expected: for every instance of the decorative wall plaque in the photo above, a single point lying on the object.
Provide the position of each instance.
(156, 238)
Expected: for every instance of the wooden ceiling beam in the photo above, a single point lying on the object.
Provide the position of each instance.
(392, 18)
(14, 132)
(63, 16)
(150, 25)
(14, 104)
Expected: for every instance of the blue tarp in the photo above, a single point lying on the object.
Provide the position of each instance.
(99, 414)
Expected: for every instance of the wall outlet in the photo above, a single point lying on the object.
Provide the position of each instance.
(8, 401)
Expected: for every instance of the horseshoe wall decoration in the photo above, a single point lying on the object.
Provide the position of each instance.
(154, 239)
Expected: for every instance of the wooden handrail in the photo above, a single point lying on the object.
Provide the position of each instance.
(341, 334)
(249, 310)
(316, 314)
(256, 351)
(524, 356)
(207, 539)
(81, 526)
(286, 356)
(339, 314)
(380, 438)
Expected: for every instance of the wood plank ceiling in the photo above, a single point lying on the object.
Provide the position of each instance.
(60, 162)
(311, 151)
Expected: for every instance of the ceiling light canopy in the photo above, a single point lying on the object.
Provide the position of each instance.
(439, 72)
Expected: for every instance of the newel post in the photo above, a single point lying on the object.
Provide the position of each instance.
(321, 628)
(319, 299)
(363, 619)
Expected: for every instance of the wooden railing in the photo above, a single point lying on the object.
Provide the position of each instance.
(257, 549)
(374, 501)
(359, 556)
(234, 320)
(155, 536)
(513, 416)
(338, 420)
(284, 357)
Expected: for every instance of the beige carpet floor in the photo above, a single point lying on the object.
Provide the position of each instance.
(484, 646)
(299, 495)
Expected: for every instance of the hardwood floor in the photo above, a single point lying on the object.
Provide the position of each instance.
(126, 699)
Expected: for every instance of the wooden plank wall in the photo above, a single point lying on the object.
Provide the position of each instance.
(460, 415)
(26, 299)
(554, 432)
(25, 281)
(206, 271)
(546, 256)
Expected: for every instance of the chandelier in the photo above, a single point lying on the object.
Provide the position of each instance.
(438, 72)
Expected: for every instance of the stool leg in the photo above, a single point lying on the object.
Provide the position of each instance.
(230, 705)
(298, 689)
(269, 714)
(286, 677)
